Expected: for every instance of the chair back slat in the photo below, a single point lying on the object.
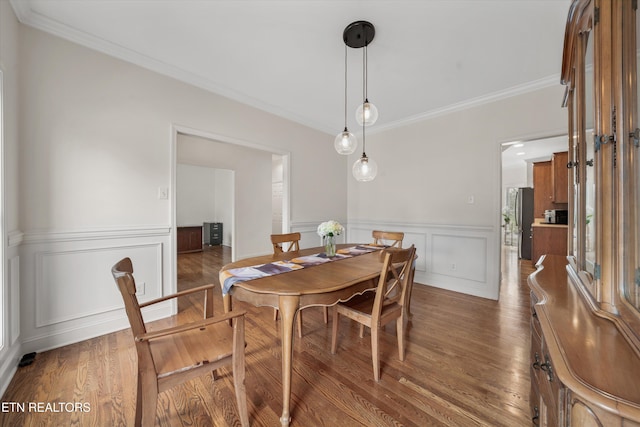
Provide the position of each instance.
(289, 242)
(390, 238)
(394, 279)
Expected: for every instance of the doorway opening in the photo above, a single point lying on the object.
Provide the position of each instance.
(517, 194)
(227, 186)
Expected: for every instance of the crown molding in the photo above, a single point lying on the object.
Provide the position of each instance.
(28, 17)
(473, 102)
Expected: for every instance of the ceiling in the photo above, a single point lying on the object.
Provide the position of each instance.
(518, 154)
(287, 57)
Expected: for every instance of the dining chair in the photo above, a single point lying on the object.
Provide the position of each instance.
(394, 240)
(386, 304)
(171, 356)
(290, 242)
(391, 238)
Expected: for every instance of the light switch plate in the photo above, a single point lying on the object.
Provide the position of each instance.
(163, 193)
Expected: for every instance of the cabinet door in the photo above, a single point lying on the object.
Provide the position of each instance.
(560, 177)
(551, 240)
(542, 188)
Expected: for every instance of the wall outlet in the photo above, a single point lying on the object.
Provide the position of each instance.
(453, 266)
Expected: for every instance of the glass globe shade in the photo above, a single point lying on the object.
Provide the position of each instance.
(365, 169)
(346, 142)
(366, 113)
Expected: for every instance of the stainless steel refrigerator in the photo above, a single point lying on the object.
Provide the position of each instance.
(524, 219)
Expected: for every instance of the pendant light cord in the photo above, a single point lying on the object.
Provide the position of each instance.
(366, 73)
(345, 87)
(364, 90)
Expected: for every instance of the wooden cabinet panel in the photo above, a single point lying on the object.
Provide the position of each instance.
(550, 185)
(189, 239)
(542, 188)
(595, 370)
(560, 177)
(548, 239)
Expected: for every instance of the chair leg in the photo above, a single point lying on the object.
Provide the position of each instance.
(147, 400)
(138, 417)
(375, 352)
(238, 365)
(361, 330)
(275, 314)
(334, 331)
(326, 314)
(400, 333)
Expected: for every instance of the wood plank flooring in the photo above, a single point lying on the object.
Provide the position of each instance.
(467, 364)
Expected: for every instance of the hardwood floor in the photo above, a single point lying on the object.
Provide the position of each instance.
(467, 364)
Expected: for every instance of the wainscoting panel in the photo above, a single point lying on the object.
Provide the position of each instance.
(67, 291)
(459, 258)
(14, 298)
(66, 277)
(11, 350)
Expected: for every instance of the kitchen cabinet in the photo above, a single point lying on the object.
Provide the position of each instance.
(560, 177)
(547, 176)
(548, 239)
(542, 188)
(189, 239)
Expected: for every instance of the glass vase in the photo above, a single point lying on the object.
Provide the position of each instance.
(330, 246)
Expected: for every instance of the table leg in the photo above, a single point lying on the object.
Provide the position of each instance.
(288, 306)
(226, 305)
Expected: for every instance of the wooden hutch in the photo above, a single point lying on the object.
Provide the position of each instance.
(585, 325)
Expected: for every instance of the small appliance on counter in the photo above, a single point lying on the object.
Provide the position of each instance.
(556, 216)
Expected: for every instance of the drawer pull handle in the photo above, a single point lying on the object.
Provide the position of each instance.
(536, 363)
(536, 416)
(546, 366)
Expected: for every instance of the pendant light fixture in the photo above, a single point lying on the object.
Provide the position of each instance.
(358, 35)
(366, 113)
(364, 169)
(345, 142)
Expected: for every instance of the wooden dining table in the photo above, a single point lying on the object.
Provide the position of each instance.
(319, 285)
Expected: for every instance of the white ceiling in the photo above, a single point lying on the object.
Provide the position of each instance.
(287, 57)
(518, 154)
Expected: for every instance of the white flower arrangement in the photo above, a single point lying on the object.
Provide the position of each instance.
(330, 228)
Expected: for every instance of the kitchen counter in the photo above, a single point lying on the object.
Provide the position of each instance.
(539, 222)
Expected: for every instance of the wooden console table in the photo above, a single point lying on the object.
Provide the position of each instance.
(189, 239)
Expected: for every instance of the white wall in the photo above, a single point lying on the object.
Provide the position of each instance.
(428, 170)
(195, 195)
(96, 142)
(205, 194)
(12, 237)
(225, 186)
(252, 187)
